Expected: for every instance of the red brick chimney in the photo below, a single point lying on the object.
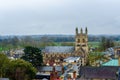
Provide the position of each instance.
(74, 75)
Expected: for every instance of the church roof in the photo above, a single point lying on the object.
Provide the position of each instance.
(59, 49)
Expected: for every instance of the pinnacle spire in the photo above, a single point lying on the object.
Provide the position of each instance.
(76, 30)
(86, 31)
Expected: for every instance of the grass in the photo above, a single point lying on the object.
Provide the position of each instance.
(93, 44)
(90, 44)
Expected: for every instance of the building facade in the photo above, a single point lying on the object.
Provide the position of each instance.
(54, 55)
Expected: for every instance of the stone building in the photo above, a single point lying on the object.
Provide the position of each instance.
(54, 55)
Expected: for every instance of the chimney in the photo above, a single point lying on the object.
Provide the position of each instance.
(51, 76)
(62, 69)
(74, 75)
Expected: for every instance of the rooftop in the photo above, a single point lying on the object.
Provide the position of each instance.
(103, 72)
(49, 68)
(59, 49)
(113, 62)
(72, 58)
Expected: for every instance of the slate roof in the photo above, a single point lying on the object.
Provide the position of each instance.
(49, 68)
(104, 72)
(59, 49)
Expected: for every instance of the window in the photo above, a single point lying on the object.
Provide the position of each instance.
(83, 40)
(78, 41)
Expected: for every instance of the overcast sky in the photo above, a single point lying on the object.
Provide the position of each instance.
(34, 17)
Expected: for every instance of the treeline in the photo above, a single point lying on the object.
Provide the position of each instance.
(11, 42)
(35, 41)
(62, 38)
(97, 38)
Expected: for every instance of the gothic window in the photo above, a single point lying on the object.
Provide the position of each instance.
(78, 41)
(83, 41)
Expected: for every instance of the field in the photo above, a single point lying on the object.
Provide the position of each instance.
(90, 44)
(93, 44)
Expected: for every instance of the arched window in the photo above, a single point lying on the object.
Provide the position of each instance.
(78, 41)
(83, 41)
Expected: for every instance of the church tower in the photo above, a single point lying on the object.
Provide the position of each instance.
(81, 40)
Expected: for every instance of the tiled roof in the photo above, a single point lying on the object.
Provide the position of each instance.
(59, 49)
(104, 72)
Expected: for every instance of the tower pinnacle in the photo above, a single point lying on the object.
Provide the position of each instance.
(86, 31)
(76, 30)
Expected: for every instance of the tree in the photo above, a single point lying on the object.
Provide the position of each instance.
(4, 62)
(94, 56)
(106, 43)
(21, 70)
(16, 69)
(33, 55)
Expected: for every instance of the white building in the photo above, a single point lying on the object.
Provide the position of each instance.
(71, 59)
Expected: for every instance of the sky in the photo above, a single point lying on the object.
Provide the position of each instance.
(36, 17)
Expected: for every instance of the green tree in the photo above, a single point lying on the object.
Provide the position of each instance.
(106, 43)
(33, 55)
(4, 62)
(21, 70)
(16, 69)
(94, 56)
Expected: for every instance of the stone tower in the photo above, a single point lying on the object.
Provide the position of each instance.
(81, 40)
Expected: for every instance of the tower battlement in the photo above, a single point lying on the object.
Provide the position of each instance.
(81, 39)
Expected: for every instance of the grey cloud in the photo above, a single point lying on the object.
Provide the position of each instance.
(61, 17)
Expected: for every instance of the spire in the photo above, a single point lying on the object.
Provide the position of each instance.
(76, 30)
(86, 31)
(81, 31)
